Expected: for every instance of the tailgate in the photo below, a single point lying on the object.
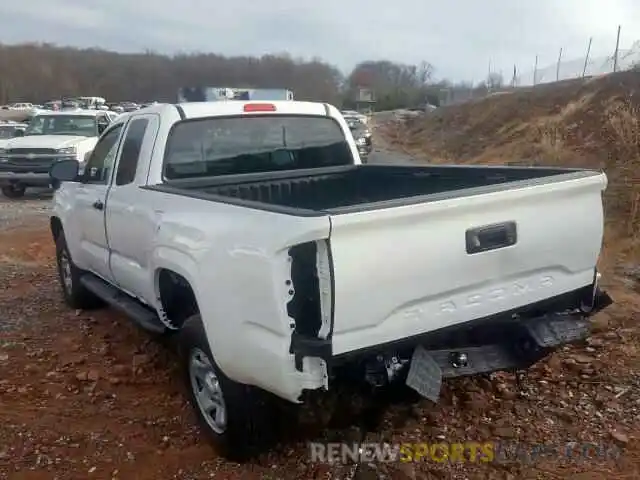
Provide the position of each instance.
(406, 270)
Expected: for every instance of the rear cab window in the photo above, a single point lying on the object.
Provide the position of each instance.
(216, 146)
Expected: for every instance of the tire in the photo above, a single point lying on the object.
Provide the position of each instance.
(75, 294)
(249, 412)
(14, 191)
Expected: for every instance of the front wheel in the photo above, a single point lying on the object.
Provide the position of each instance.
(236, 417)
(75, 294)
(14, 190)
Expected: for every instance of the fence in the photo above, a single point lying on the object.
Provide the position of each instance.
(561, 69)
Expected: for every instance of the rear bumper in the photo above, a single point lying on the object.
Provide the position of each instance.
(509, 340)
(545, 325)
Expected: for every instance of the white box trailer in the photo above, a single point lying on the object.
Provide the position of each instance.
(213, 94)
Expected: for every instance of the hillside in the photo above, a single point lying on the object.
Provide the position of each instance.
(593, 123)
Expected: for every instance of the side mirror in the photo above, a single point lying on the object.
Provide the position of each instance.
(18, 133)
(64, 171)
(102, 127)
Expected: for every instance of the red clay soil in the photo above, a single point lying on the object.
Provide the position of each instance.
(85, 395)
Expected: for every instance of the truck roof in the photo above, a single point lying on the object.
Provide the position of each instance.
(74, 111)
(237, 107)
(241, 107)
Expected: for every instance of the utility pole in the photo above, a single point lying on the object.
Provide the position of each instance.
(586, 59)
(558, 67)
(535, 71)
(615, 55)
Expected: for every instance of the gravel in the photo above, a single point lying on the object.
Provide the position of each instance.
(86, 395)
(25, 212)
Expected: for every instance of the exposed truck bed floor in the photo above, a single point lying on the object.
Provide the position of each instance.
(332, 188)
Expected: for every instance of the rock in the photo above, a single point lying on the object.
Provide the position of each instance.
(504, 432)
(476, 401)
(120, 370)
(620, 437)
(81, 376)
(406, 470)
(507, 394)
(565, 415)
(93, 375)
(600, 322)
(4, 357)
(571, 364)
(596, 342)
(73, 359)
(584, 359)
(365, 472)
(554, 362)
(584, 476)
(140, 360)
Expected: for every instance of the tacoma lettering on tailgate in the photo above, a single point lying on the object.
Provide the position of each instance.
(482, 297)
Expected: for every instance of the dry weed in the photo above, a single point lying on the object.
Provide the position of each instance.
(623, 122)
(551, 141)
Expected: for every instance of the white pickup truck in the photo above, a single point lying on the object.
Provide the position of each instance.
(253, 233)
(50, 136)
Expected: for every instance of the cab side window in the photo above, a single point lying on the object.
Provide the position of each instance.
(100, 164)
(131, 146)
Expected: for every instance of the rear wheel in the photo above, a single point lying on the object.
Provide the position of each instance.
(236, 417)
(14, 190)
(75, 294)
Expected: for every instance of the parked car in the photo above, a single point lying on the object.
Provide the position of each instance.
(115, 107)
(51, 136)
(129, 106)
(362, 136)
(357, 115)
(252, 233)
(9, 130)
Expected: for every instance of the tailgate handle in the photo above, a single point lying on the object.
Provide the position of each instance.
(491, 237)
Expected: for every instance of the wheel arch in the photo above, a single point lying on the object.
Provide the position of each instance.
(176, 296)
(55, 224)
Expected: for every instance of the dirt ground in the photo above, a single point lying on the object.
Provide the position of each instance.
(86, 395)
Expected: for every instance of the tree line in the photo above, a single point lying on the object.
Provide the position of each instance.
(41, 72)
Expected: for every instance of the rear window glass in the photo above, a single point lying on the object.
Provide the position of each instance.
(252, 144)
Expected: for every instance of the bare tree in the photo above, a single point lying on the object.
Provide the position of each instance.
(396, 85)
(494, 81)
(41, 72)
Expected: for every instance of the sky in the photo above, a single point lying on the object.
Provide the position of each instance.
(460, 38)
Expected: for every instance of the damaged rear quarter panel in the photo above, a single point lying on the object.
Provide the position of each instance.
(242, 261)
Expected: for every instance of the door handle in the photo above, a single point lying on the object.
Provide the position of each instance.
(491, 237)
(98, 205)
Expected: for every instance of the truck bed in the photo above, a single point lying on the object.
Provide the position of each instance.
(362, 187)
